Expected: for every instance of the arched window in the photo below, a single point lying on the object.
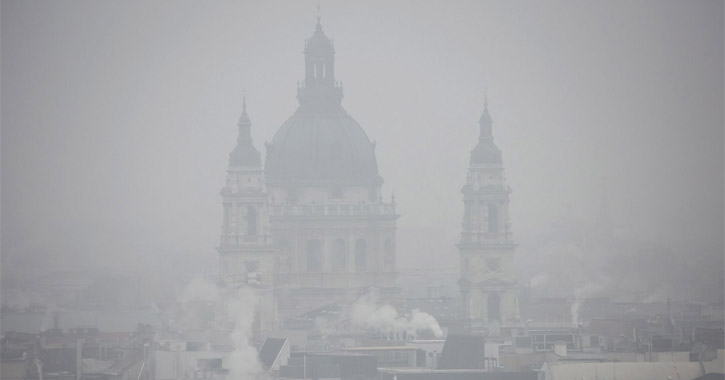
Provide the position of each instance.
(389, 254)
(492, 218)
(285, 264)
(251, 221)
(339, 256)
(466, 215)
(494, 307)
(361, 255)
(314, 256)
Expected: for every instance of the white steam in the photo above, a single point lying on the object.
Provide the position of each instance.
(200, 290)
(241, 307)
(206, 307)
(366, 312)
(580, 295)
(539, 281)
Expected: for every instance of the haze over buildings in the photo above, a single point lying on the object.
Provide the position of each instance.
(118, 120)
(539, 187)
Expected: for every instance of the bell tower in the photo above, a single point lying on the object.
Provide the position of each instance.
(488, 280)
(247, 257)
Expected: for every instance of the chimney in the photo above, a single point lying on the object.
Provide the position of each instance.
(79, 359)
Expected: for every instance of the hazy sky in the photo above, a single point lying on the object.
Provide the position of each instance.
(118, 117)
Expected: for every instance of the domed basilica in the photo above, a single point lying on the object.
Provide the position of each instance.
(310, 228)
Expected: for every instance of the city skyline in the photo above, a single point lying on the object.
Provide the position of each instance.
(621, 100)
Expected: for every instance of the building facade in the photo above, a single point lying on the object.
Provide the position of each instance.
(311, 225)
(488, 277)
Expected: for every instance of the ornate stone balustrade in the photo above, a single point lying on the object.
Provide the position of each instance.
(487, 237)
(333, 209)
(232, 240)
(336, 280)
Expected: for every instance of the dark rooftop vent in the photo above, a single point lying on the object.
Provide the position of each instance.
(462, 352)
(270, 351)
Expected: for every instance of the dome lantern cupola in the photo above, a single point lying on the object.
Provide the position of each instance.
(321, 142)
(319, 86)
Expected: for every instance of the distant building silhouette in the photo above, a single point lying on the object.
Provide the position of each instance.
(311, 227)
(488, 276)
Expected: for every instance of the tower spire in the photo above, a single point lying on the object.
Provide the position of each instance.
(319, 24)
(244, 154)
(486, 151)
(485, 122)
(244, 123)
(485, 98)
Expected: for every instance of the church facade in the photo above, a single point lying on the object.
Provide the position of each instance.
(310, 227)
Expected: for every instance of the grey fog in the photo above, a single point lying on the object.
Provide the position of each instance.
(362, 190)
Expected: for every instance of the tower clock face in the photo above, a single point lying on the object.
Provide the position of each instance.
(493, 265)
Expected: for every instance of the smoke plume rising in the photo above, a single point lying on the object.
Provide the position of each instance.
(209, 309)
(368, 313)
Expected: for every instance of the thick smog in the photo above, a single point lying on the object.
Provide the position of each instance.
(371, 190)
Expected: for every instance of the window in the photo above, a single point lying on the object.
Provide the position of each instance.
(360, 255)
(285, 262)
(492, 218)
(314, 256)
(209, 364)
(466, 214)
(559, 338)
(339, 256)
(594, 340)
(494, 307)
(389, 255)
(251, 221)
